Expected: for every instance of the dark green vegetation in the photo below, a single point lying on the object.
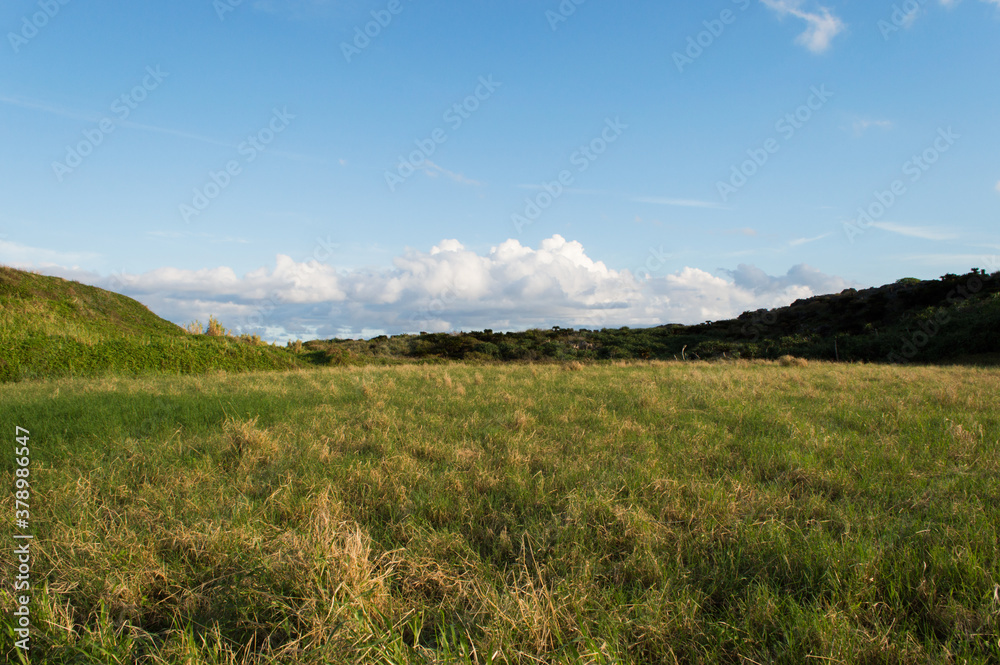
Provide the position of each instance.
(732, 512)
(956, 318)
(52, 327)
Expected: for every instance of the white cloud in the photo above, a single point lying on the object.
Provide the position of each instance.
(433, 170)
(821, 25)
(998, 181)
(801, 278)
(911, 17)
(450, 287)
(512, 287)
(805, 241)
(922, 232)
(17, 255)
(863, 125)
(45, 107)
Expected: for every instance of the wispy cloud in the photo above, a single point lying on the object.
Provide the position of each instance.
(683, 203)
(87, 116)
(19, 256)
(570, 190)
(36, 105)
(804, 241)
(862, 125)
(922, 232)
(653, 200)
(959, 261)
(208, 237)
(434, 170)
(911, 16)
(821, 25)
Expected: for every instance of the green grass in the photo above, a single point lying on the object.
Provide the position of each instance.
(51, 327)
(629, 513)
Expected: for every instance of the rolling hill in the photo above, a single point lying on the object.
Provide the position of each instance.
(55, 327)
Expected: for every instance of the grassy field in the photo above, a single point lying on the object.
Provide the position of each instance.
(616, 513)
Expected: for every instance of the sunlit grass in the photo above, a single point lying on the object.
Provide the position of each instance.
(628, 513)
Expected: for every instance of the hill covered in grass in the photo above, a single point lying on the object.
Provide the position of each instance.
(55, 327)
(954, 318)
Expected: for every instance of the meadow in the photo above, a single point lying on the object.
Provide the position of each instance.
(628, 512)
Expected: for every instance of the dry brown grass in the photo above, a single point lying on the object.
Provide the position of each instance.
(248, 446)
(792, 361)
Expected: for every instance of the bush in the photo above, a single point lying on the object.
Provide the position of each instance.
(215, 328)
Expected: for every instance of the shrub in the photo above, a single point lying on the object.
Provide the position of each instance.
(215, 328)
(252, 340)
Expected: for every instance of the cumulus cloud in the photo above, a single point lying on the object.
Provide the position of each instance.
(821, 25)
(800, 278)
(450, 287)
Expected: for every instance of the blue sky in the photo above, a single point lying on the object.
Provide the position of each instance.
(496, 164)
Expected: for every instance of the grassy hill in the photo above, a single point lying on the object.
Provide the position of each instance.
(54, 327)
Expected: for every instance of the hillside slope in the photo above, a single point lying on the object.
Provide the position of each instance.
(55, 327)
(38, 304)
